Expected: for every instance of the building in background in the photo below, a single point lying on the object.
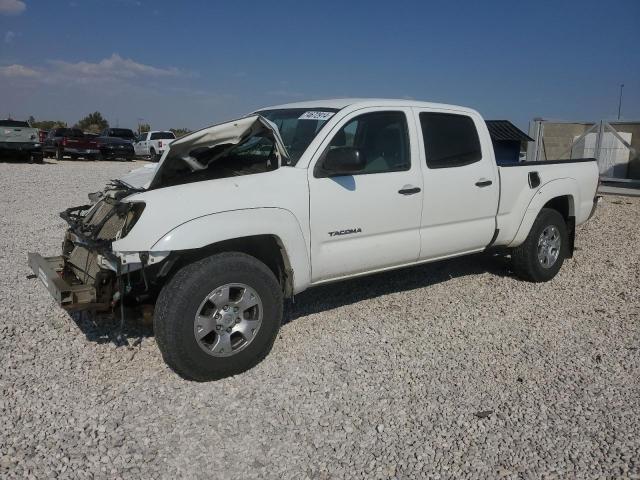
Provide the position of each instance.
(508, 141)
(615, 144)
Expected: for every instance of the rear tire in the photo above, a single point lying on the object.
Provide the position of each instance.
(542, 254)
(154, 156)
(183, 300)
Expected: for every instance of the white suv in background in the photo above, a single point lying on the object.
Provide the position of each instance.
(153, 144)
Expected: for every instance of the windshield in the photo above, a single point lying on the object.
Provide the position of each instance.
(298, 126)
(70, 132)
(162, 136)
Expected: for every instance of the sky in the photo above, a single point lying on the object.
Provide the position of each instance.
(190, 64)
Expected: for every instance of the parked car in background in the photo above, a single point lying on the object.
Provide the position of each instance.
(153, 144)
(19, 141)
(42, 135)
(123, 133)
(241, 214)
(114, 148)
(70, 142)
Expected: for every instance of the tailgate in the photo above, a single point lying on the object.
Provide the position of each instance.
(81, 143)
(19, 134)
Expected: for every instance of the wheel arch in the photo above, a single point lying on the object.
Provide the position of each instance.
(561, 195)
(271, 235)
(267, 248)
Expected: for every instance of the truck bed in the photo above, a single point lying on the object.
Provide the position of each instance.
(521, 184)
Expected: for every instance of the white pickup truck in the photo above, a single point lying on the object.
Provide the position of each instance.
(153, 144)
(238, 216)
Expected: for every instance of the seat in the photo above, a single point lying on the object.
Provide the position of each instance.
(385, 153)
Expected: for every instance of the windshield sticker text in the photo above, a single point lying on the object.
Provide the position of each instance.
(314, 115)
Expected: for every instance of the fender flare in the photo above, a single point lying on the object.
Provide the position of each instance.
(560, 187)
(233, 224)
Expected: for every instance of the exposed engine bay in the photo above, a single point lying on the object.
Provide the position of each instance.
(87, 257)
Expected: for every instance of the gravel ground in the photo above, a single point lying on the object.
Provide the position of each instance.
(451, 370)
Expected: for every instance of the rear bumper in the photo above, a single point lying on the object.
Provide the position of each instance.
(81, 151)
(596, 201)
(20, 150)
(20, 147)
(117, 153)
(66, 289)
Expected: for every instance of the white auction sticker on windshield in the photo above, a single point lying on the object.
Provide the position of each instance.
(315, 115)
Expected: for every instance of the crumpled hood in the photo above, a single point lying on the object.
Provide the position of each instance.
(140, 178)
(231, 133)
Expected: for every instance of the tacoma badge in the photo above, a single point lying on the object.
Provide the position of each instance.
(346, 232)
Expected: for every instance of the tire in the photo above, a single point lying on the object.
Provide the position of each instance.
(531, 260)
(59, 154)
(154, 156)
(183, 297)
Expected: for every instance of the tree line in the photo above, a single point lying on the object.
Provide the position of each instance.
(94, 123)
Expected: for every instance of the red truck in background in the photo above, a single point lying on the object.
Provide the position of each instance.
(72, 142)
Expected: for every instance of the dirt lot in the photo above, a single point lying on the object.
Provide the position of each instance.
(450, 370)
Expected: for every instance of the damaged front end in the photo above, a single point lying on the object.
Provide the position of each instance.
(88, 274)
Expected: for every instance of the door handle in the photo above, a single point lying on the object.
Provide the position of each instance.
(483, 183)
(409, 190)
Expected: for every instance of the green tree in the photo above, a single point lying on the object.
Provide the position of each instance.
(94, 122)
(143, 127)
(180, 132)
(46, 124)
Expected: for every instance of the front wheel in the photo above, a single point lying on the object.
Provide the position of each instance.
(541, 255)
(218, 316)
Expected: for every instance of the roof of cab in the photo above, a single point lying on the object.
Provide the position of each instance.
(340, 103)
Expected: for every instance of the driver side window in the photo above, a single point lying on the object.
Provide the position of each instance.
(382, 138)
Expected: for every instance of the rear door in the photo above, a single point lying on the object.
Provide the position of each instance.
(369, 220)
(461, 187)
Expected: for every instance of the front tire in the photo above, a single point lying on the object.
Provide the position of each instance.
(218, 316)
(542, 254)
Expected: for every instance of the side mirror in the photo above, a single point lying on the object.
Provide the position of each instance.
(342, 161)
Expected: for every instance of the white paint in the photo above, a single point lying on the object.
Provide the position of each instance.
(450, 216)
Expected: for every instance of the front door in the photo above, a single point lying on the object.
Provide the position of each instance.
(461, 186)
(368, 220)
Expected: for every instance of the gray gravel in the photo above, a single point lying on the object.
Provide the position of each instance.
(451, 370)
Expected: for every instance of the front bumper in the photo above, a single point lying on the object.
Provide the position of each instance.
(65, 287)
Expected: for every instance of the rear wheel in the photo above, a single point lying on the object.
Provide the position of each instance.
(218, 317)
(541, 255)
(154, 156)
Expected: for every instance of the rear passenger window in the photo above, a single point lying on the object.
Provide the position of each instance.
(449, 140)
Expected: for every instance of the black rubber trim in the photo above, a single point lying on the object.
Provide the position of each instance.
(483, 183)
(493, 239)
(548, 162)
